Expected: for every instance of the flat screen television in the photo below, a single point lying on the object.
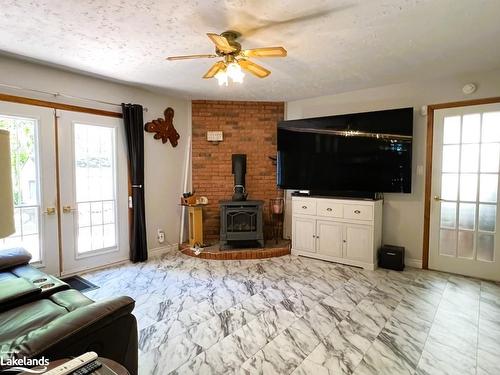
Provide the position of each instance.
(347, 155)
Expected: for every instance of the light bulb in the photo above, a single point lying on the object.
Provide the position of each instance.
(235, 73)
(238, 77)
(221, 77)
(233, 68)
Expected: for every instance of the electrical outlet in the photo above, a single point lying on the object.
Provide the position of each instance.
(160, 236)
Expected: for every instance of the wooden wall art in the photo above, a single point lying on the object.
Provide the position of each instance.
(164, 128)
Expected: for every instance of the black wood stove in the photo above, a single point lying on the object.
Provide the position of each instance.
(241, 224)
(240, 219)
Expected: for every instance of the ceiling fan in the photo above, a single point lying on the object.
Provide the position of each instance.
(234, 58)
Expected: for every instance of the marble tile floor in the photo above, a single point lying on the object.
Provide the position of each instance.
(294, 315)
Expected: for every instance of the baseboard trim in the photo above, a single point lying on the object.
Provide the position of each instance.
(328, 258)
(415, 263)
(92, 269)
(159, 251)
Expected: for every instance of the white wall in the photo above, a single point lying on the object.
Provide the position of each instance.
(164, 165)
(403, 213)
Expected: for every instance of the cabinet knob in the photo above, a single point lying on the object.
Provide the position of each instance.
(304, 207)
(329, 209)
(357, 212)
(344, 241)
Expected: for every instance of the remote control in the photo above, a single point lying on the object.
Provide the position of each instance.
(89, 368)
(73, 365)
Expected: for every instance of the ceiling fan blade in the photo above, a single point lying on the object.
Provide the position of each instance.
(221, 43)
(265, 52)
(187, 57)
(253, 24)
(214, 69)
(254, 68)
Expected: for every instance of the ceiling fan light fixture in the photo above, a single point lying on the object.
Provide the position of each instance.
(234, 72)
(222, 78)
(235, 60)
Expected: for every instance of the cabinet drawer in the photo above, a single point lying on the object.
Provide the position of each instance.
(329, 209)
(305, 207)
(358, 212)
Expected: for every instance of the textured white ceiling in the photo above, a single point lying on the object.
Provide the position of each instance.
(333, 46)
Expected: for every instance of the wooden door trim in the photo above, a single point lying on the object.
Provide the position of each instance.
(55, 105)
(428, 164)
(74, 108)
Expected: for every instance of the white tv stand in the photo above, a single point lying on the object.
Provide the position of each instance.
(346, 231)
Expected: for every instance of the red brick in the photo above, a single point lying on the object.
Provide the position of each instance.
(249, 128)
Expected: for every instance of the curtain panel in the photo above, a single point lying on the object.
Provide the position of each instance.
(134, 123)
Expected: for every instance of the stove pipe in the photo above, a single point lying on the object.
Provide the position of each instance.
(239, 169)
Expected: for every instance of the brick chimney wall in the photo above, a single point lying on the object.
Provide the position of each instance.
(248, 128)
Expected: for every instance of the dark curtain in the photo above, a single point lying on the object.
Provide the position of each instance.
(133, 120)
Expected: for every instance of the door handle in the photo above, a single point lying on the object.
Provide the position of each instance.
(68, 209)
(50, 211)
(437, 198)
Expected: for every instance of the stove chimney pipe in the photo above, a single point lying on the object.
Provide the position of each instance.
(239, 169)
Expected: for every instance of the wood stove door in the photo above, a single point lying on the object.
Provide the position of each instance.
(240, 223)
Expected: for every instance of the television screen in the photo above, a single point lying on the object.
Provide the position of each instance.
(364, 152)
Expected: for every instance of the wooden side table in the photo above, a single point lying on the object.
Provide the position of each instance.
(195, 214)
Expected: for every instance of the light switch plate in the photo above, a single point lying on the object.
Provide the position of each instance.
(214, 136)
(420, 170)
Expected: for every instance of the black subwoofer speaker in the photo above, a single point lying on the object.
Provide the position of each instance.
(392, 257)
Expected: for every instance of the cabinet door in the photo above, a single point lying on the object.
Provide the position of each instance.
(304, 232)
(329, 238)
(358, 242)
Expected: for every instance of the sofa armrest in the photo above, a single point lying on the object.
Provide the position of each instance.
(77, 323)
(14, 292)
(14, 257)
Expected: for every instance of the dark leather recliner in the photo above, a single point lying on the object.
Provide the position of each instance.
(41, 316)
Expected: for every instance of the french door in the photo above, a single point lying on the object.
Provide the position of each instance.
(93, 190)
(465, 185)
(70, 215)
(32, 138)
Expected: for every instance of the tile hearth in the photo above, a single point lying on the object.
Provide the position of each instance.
(270, 249)
(293, 315)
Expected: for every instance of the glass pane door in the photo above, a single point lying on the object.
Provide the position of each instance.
(25, 184)
(94, 191)
(465, 189)
(32, 145)
(469, 185)
(95, 187)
